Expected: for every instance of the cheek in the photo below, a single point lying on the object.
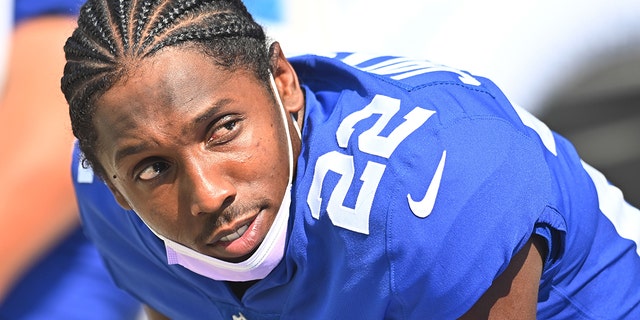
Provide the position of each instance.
(160, 213)
(276, 151)
(268, 157)
(263, 158)
(269, 141)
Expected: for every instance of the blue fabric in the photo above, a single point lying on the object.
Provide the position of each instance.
(70, 282)
(375, 131)
(25, 9)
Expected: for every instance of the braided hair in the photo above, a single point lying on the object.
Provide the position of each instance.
(113, 35)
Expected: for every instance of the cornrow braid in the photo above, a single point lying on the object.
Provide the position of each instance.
(112, 35)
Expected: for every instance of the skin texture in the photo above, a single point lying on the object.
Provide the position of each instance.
(36, 143)
(153, 314)
(198, 151)
(197, 181)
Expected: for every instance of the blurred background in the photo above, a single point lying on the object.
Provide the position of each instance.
(574, 64)
(48, 269)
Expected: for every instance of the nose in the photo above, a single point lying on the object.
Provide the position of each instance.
(206, 188)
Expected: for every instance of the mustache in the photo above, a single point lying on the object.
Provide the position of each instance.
(228, 215)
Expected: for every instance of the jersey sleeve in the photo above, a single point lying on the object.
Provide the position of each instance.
(494, 188)
(462, 189)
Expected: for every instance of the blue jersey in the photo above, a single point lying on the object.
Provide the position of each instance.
(415, 186)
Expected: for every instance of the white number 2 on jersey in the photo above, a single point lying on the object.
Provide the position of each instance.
(357, 219)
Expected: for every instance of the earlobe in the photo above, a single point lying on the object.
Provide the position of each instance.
(122, 201)
(286, 80)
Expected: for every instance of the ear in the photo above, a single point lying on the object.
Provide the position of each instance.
(122, 201)
(286, 80)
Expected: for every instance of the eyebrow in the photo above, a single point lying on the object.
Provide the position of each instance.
(204, 116)
(129, 150)
(207, 114)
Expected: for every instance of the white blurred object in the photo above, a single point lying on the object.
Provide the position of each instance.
(6, 25)
(527, 47)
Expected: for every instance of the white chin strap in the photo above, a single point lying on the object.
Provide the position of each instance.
(269, 253)
(283, 112)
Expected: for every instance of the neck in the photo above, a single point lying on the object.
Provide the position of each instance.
(240, 288)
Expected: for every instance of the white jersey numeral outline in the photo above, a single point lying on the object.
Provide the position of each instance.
(403, 68)
(357, 219)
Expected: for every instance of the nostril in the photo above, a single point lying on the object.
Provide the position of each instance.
(227, 202)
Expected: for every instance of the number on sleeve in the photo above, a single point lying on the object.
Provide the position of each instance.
(371, 142)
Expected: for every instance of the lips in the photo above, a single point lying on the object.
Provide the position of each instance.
(232, 232)
(234, 242)
(235, 235)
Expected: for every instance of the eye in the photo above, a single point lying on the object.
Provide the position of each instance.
(225, 129)
(229, 125)
(153, 170)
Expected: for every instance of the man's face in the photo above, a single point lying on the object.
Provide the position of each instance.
(198, 152)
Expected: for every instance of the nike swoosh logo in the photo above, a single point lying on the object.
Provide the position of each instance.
(423, 208)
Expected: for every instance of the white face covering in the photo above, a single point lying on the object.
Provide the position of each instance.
(269, 253)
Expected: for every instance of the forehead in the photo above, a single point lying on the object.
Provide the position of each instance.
(174, 76)
(168, 94)
(174, 67)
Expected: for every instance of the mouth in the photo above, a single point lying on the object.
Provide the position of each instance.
(235, 235)
(240, 238)
(232, 232)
